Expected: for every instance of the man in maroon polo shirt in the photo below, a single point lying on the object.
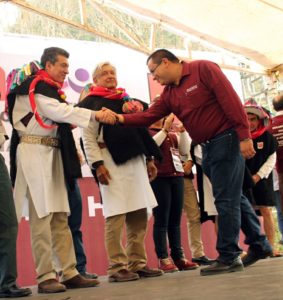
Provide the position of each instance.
(276, 128)
(201, 96)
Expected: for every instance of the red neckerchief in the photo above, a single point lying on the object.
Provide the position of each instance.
(261, 129)
(129, 106)
(112, 94)
(42, 75)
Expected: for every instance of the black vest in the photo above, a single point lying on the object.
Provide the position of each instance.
(122, 142)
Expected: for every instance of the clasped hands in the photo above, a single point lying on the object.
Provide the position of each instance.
(108, 116)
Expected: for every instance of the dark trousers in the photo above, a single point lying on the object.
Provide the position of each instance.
(224, 165)
(169, 193)
(75, 222)
(279, 213)
(8, 230)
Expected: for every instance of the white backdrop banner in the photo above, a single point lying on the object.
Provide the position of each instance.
(17, 50)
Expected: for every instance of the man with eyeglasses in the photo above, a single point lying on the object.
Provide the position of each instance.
(152, 72)
(201, 96)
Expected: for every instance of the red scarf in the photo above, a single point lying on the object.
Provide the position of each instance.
(129, 106)
(260, 130)
(112, 94)
(42, 75)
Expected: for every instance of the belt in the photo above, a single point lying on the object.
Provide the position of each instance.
(101, 145)
(40, 140)
(217, 136)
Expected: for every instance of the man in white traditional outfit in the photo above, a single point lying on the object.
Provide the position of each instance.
(117, 156)
(43, 159)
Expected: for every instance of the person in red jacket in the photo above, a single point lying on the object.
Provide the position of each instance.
(203, 99)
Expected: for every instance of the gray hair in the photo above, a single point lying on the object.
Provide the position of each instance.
(99, 67)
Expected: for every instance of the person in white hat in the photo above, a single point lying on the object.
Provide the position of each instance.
(261, 165)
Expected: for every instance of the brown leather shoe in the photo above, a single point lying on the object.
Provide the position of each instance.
(123, 275)
(149, 272)
(51, 286)
(78, 282)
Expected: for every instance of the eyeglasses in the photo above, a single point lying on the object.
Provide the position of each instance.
(153, 71)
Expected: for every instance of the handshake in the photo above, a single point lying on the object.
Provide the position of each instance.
(107, 116)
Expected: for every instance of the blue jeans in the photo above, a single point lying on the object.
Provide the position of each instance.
(224, 166)
(279, 213)
(169, 193)
(75, 222)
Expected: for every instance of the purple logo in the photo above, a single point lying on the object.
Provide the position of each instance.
(81, 75)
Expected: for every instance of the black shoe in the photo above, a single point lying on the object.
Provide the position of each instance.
(203, 261)
(220, 268)
(15, 292)
(252, 257)
(89, 275)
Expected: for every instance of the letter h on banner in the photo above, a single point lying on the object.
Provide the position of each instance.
(92, 206)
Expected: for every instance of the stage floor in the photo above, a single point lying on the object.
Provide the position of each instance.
(262, 281)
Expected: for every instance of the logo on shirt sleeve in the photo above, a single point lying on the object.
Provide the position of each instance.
(260, 145)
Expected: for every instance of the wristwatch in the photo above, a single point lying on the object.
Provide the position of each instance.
(149, 158)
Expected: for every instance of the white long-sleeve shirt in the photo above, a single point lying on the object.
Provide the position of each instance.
(184, 142)
(267, 167)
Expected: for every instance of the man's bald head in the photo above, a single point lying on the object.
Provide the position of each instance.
(278, 103)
